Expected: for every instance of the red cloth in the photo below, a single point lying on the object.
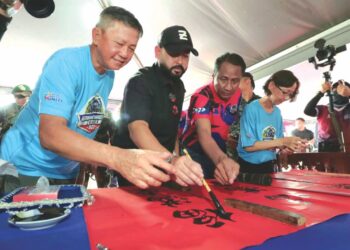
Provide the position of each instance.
(129, 218)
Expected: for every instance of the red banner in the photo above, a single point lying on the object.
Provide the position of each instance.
(165, 218)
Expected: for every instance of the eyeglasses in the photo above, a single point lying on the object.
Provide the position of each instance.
(285, 93)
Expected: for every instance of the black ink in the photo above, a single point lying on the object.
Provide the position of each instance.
(204, 217)
(169, 200)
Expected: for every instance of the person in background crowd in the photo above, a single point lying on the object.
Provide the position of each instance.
(246, 86)
(8, 114)
(262, 127)
(55, 129)
(302, 132)
(327, 135)
(213, 108)
(6, 11)
(152, 104)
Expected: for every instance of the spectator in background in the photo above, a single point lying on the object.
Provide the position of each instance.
(328, 140)
(302, 132)
(246, 86)
(8, 114)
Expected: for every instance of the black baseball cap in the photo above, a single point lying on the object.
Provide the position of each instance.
(176, 39)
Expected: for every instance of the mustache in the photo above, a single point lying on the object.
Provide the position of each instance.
(178, 67)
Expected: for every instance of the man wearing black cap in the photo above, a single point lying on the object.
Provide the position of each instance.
(152, 104)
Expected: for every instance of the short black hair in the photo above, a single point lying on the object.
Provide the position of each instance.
(250, 76)
(283, 78)
(300, 119)
(114, 13)
(231, 58)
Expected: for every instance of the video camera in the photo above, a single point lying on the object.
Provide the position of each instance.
(325, 54)
(325, 57)
(36, 8)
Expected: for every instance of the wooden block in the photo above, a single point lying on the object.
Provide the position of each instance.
(270, 212)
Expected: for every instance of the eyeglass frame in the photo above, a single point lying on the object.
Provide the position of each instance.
(285, 94)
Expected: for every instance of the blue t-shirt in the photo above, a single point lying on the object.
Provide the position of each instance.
(68, 87)
(259, 125)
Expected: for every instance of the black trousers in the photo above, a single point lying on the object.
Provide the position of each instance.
(328, 146)
(262, 168)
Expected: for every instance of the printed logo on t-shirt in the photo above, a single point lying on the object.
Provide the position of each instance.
(201, 110)
(90, 117)
(268, 133)
(53, 97)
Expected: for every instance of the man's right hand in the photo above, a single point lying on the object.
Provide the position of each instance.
(188, 172)
(325, 87)
(143, 168)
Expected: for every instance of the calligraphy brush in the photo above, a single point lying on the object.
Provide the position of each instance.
(220, 209)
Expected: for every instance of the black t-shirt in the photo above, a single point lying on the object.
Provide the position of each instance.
(305, 134)
(156, 98)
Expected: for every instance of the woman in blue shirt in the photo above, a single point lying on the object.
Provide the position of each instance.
(262, 127)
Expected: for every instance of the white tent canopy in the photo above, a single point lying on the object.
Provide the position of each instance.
(269, 34)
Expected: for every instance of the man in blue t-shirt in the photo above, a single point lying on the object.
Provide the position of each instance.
(53, 132)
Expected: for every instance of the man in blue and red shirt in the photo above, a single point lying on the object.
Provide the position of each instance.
(213, 108)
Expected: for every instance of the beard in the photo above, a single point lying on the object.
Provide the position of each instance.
(169, 72)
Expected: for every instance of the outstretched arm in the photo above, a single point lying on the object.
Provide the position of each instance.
(186, 171)
(226, 169)
(138, 166)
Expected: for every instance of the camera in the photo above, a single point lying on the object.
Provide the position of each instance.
(325, 57)
(36, 8)
(325, 54)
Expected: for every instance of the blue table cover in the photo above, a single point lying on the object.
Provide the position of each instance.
(332, 234)
(70, 233)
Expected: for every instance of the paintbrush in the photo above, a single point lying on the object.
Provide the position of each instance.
(220, 209)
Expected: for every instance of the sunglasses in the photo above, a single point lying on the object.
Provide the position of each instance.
(20, 96)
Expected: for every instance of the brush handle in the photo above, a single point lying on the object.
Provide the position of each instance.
(216, 201)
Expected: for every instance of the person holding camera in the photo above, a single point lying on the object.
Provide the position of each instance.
(7, 9)
(330, 129)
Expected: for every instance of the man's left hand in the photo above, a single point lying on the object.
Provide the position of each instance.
(226, 170)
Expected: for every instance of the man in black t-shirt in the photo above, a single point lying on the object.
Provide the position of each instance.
(302, 132)
(152, 105)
